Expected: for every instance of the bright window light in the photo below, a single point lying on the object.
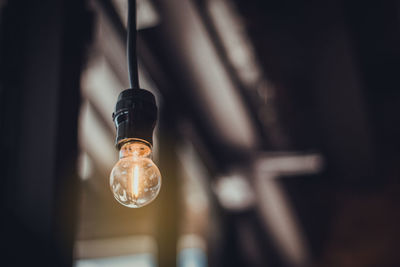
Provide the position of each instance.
(138, 260)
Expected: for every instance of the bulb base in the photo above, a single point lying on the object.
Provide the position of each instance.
(135, 116)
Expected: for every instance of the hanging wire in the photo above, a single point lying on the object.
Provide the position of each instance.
(131, 45)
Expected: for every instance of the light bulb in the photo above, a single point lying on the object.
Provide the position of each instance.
(135, 180)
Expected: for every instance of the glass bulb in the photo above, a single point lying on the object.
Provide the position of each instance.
(135, 180)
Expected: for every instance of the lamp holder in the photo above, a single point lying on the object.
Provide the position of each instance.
(135, 116)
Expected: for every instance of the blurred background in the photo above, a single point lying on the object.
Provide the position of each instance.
(278, 133)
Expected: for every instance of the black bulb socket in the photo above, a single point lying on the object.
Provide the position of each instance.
(135, 116)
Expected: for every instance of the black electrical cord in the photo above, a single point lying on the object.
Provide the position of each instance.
(131, 45)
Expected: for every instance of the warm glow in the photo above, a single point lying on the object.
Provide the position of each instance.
(135, 180)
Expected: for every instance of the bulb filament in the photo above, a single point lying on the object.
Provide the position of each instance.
(136, 181)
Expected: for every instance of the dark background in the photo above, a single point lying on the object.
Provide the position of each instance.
(329, 69)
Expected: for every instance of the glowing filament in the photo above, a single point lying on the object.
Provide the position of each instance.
(136, 181)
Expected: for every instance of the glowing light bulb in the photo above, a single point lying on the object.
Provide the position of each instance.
(135, 180)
